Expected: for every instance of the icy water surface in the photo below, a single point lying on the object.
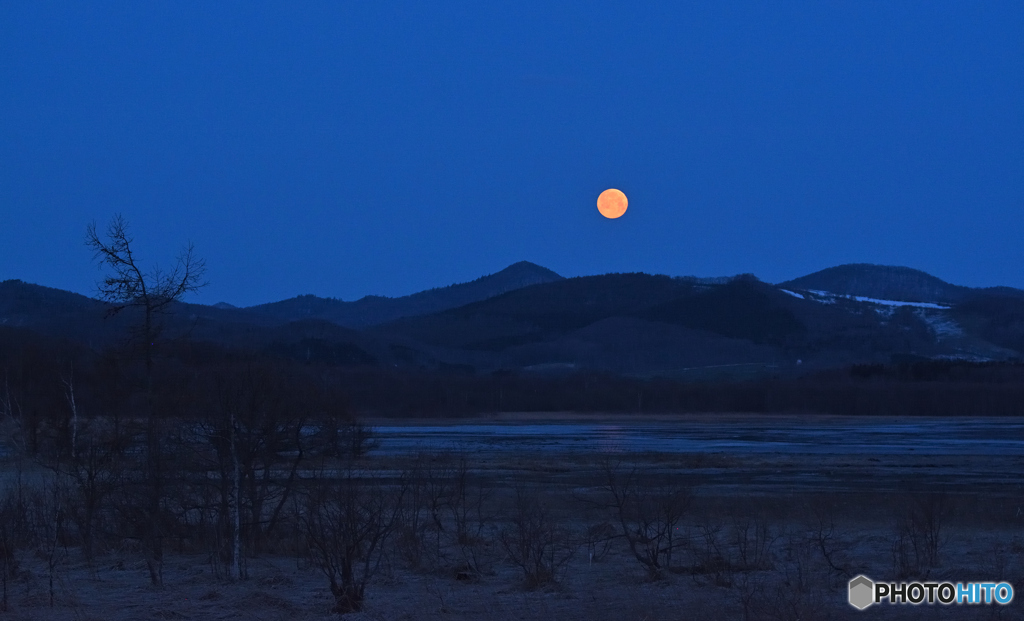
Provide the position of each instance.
(806, 435)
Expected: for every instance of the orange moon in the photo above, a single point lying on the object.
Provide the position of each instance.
(612, 203)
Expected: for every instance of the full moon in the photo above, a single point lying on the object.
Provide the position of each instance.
(612, 203)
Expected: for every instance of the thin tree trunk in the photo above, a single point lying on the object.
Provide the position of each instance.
(236, 554)
(154, 554)
(69, 393)
(348, 596)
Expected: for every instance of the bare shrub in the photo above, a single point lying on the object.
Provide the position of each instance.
(904, 562)
(14, 534)
(346, 520)
(831, 544)
(422, 533)
(752, 540)
(790, 591)
(443, 594)
(648, 514)
(727, 548)
(534, 540)
(598, 540)
(92, 474)
(919, 534)
(47, 514)
(468, 507)
(711, 553)
(443, 518)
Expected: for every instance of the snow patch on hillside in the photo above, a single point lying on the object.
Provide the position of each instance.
(941, 324)
(827, 297)
(861, 298)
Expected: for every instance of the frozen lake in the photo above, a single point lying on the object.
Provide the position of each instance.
(768, 434)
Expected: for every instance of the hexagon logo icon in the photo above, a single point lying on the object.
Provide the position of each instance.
(862, 591)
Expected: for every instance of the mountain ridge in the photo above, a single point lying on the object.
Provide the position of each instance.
(375, 309)
(527, 316)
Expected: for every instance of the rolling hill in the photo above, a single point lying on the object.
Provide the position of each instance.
(528, 317)
(884, 282)
(373, 310)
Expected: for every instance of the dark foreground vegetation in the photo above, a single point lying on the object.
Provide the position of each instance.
(236, 456)
(449, 536)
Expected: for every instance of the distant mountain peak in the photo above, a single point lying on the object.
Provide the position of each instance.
(887, 282)
(529, 265)
(519, 274)
(516, 270)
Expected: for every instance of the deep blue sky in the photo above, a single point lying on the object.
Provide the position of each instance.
(348, 148)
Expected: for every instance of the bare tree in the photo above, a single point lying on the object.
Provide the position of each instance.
(68, 382)
(129, 286)
(151, 292)
(9, 406)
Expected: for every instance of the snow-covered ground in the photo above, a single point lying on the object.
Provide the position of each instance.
(941, 323)
(935, 315)
(827, 297)
(861, 298)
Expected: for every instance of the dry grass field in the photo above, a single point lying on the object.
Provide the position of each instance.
(541, 536)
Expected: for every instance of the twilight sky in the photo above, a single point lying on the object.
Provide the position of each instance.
(349, 148)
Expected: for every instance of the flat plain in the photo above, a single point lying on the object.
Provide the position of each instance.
(760, 534)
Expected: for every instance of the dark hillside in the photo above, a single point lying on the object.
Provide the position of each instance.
(47, 313)
(639, 347)
(998, 319)
(373, 310)
(541, 311)
(56, 312)
(741, 309)
(21, 301)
